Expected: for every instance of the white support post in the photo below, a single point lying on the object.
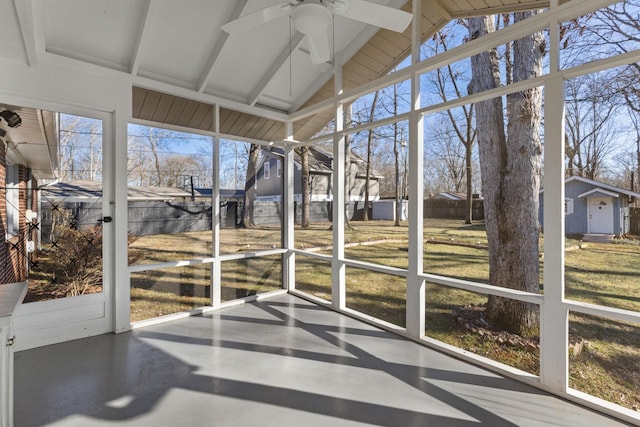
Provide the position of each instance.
(121, 279)
(216, 271)
(554, 323)
(338, 277)
(288, 209)
(415, 294)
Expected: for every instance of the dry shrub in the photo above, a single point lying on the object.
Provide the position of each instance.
(77, 263)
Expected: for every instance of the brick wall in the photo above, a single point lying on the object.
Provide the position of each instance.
(13, 260)
(7, 273)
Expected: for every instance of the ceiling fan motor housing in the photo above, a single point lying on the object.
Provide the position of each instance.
(311, 18)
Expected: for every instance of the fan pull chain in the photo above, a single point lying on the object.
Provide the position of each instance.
(333, 40)
(290, 58)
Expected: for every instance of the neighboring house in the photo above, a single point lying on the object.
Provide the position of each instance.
(594, 208)
(28, 155)
(269, 182)
(151, 210)
(85, 190)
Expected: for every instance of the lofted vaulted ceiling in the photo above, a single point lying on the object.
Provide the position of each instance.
(182, 62)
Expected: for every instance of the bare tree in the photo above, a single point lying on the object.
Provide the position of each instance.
(447, 167)
(233, 164)
(177, 167)
(449, 82)
(594, 102)
(510, 162)
(383, 146)
(589, 137)
(80, 148)
(370, 138)
(250, 186)
(155, 158)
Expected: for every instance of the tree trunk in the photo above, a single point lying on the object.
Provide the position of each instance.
(510, 176)
(367, 181)
(396, 155)
(250, 187)
(347, 170)
(304, 159)
(153, 144)
(468, 217)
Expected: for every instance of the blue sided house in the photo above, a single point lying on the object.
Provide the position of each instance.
(594, 208)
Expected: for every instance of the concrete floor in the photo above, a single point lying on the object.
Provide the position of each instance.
(280, 362)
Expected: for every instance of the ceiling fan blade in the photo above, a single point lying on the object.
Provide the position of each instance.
(319, 48)
(376, 14)
(256, 18)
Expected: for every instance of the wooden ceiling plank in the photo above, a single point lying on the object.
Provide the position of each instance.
(240, 124)
(149, 105)
(228, 118)
(162, 108)
(253, 128)
(361, 67)
(373, 59)
(176, 110)
(187, 112)
(137, 100)
(257, 131)
(207, 121)
(390, 50)
(199, 114)
(275, 132)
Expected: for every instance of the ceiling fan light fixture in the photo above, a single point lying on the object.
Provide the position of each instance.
(311, 18)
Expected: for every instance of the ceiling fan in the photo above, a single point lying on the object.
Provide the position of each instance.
(313, 19)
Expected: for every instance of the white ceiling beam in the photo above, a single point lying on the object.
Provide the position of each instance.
(208, 70)
(135, 57)
(24, 10)
(312, 89)
(351, 49)
(275, 66)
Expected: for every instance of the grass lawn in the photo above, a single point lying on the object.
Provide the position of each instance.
(605, 274)
(608, 366)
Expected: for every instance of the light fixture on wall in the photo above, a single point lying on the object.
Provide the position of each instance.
(12, 118)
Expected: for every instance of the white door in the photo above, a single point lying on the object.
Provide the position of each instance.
(70, 287)
(600, 215)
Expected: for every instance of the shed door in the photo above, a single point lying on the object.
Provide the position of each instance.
(600, 215)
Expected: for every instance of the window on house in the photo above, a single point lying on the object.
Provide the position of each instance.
(568, 206)
(29, 195)
(279, 168)
(267, 170)
(12, 200)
